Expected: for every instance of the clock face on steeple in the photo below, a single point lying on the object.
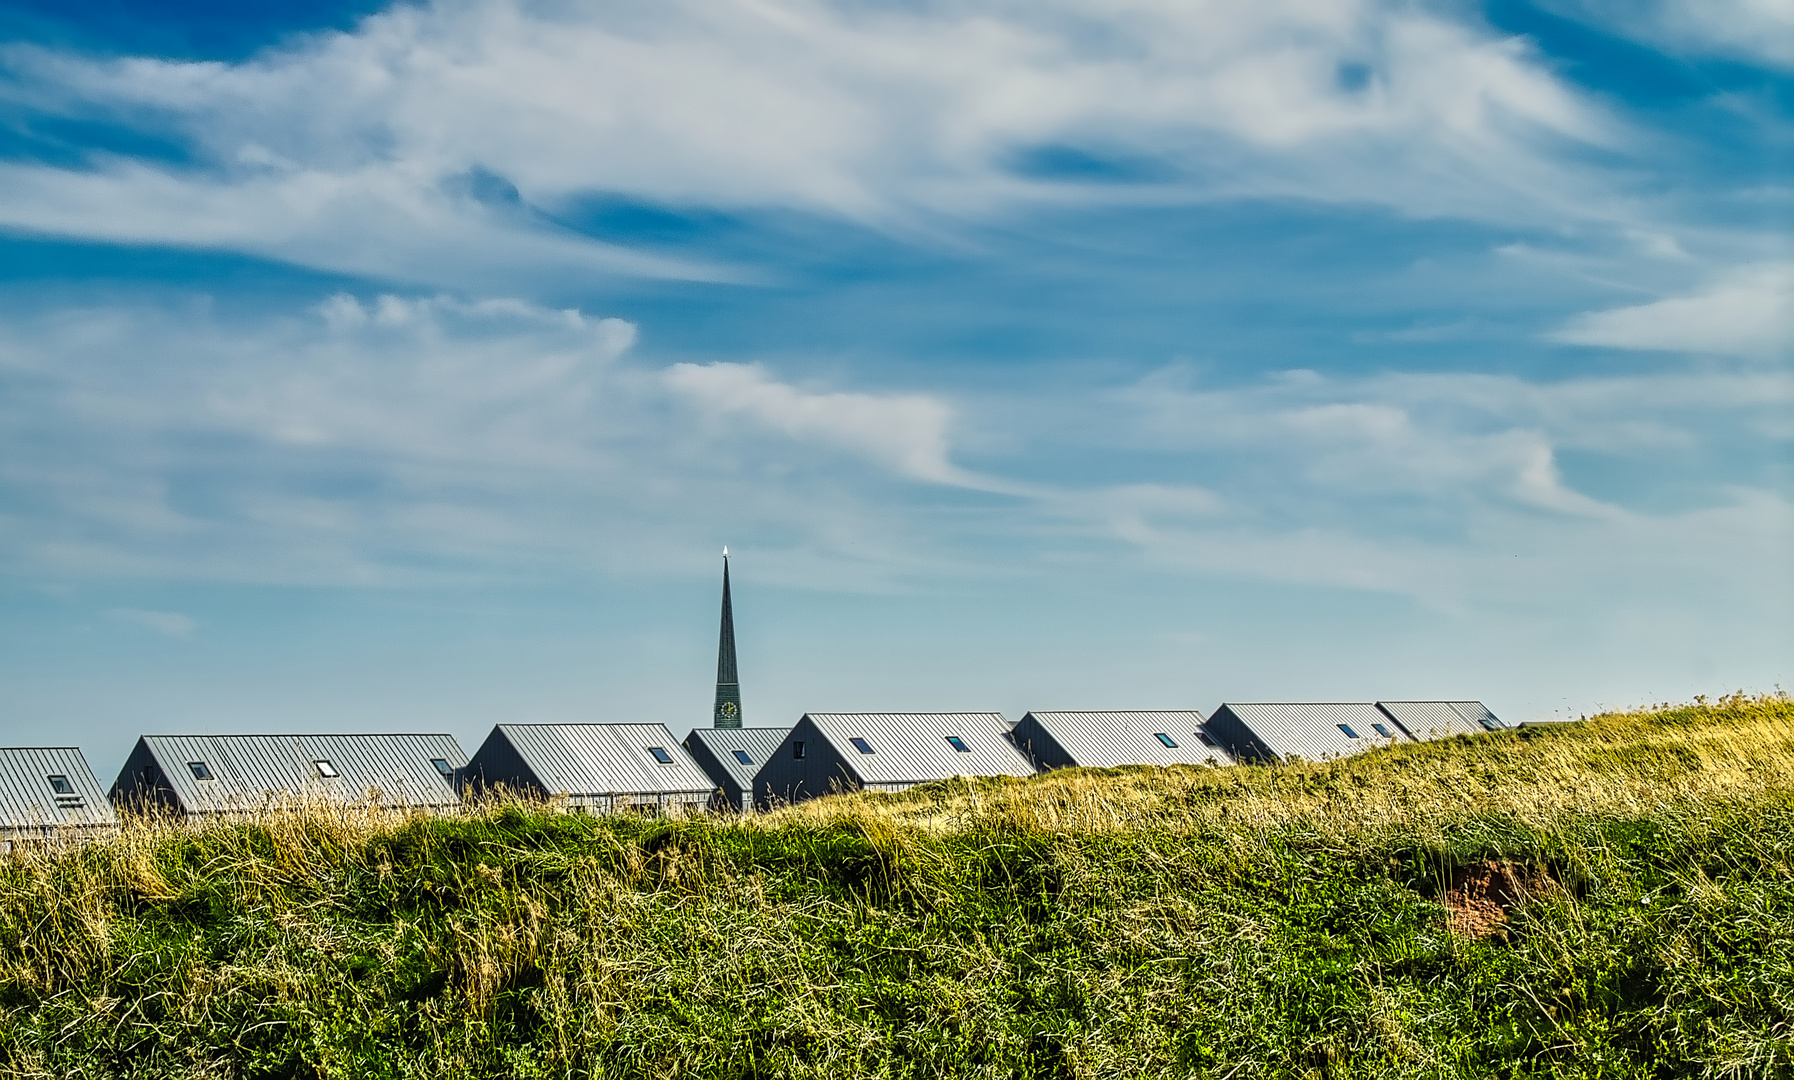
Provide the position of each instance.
(728, 710)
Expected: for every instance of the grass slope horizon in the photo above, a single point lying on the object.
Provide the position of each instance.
(1611, 898)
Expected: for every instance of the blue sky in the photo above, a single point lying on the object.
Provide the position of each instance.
(407, 367)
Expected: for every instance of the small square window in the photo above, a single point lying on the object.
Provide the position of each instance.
(1381, 730)
(958, 744)
(199, 770)
(1169, 742)
(1349, 733)
(660, 755)
(742, 756)
(60, 785)
(1205, 739)
(443, 767)
(1488, 725)
(860, 744)
(797, 749)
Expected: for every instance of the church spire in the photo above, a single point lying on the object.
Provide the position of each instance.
(728, 686)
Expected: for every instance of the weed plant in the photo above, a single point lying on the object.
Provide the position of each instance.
(1182, 922)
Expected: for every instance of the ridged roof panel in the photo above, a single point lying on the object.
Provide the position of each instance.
(757, 743)
(1310, 730)
(606, 759)
(1439, 719)
(249, 770)
(28, 801)
(912, 748)
(1106, 739)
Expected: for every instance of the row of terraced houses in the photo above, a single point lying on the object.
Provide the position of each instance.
(642, 767)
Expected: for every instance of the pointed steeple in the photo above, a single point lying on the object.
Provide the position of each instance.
(728, 686)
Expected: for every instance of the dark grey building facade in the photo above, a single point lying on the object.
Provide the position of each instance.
(602, 768)
(1312, 731)
(1103, 740)
(831, 752)
(731, 757)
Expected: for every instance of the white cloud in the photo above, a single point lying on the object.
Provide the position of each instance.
(167, 623)
(1748, 313)
(1760, 30)
(904, 432)
(427, 144)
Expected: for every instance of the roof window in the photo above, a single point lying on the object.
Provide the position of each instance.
(742, 756)
(659, 754)
(443, 767)
(325, 769)
(797, 749)
(1205, 738)
(1488, 725)
(1169, 742)
(958, 744)
(1381, 730)
(860, 744)
(60, 785)
(1349, 733)
(199, 770)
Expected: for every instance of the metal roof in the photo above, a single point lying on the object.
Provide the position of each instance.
(912, 748)
(1439, 719)
(1106, 739)
(605, 759)
(758, 743)
(1310, 730)
(28, 801)
(250, 770)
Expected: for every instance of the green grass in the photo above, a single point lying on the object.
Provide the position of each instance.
(1222, 923)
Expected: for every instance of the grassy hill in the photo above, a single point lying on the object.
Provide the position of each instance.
(1607, 899)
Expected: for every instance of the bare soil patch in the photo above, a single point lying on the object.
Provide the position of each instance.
(1484, 894)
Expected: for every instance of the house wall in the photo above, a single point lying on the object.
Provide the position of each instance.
(821, 771)
(1038, 745)
(1236, 738)
(141, 787)
(497, 764)
(729, 793)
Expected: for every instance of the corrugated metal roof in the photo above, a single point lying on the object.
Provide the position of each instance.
(912, 748)
(1310, 730)
(1439, 719)
(28, 801)
(606, 759)
(757, 743)
(1107, 739)
(250, 770)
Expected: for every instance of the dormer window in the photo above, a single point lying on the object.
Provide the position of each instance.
(60, 785)
(199, 770)
(326, 769)
(658, 753)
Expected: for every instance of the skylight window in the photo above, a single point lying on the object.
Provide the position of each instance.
(1169, 742)
(958, 744)
(1381, 730)
(659, 753)
(1206, 740)
(742, 756)
(860, 744)
(60, 785)
(1349, 733)
(1488, 725)
(326, 770)
(199, 770)
(443, 767)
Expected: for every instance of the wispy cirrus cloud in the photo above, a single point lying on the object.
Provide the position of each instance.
(1749, 312)
(451, 142)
